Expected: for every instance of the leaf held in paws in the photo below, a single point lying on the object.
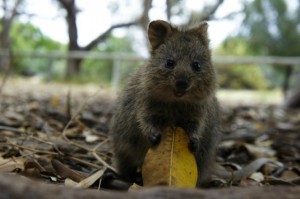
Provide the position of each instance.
(171, 162)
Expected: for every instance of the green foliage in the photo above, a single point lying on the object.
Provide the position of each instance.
(101, 70)
(239, 76)
(26, 37)
(272, 28)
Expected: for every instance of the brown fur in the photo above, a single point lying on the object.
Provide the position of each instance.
(168, 91)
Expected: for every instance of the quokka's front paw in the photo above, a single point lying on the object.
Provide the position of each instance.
(154, 138)
(194, 144)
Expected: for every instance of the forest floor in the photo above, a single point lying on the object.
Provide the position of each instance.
(58, 134)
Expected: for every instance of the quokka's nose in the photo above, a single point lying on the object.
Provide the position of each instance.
(182, 84)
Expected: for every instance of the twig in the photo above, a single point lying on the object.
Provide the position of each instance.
(47, 142)
(79, 110)
(100, 144)
(99, 158)
(53, 153)
(68, 104)
(74, 143)
(30, 137)
(82, 106)
(7, 68)
(8, 128)
(83, 162)
(93, 151)
(15, 158)
(103, 162)
(212, 10)
(34, 150)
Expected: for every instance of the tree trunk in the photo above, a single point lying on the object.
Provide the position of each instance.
(144, 20)
(73, 67)
(286, 80)
(6, 22)
(168, 10)
(292, 100)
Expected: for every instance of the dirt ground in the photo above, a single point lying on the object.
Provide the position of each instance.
(57, 134)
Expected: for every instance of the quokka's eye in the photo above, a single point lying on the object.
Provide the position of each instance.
(170, 64)
(196, 66)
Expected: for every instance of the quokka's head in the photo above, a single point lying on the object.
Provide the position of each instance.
(179, 68)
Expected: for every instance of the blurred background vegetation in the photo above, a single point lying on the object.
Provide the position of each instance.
(265, 28)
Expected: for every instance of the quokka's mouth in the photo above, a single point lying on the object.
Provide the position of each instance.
(179, 93)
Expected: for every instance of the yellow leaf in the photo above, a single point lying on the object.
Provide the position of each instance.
(54, 101)
(171, 162)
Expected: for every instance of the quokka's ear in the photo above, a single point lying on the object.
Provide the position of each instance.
(201, 31)
(158, 32)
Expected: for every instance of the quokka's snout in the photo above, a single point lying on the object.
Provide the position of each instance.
(181, 86)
